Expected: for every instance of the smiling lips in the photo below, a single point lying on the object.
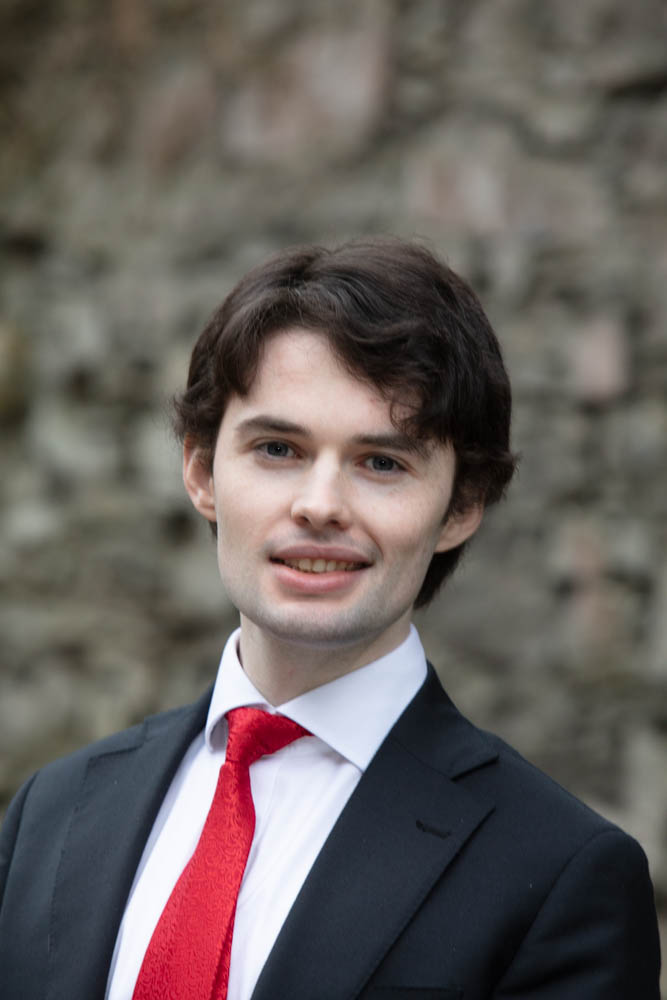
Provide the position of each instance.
(320, 565)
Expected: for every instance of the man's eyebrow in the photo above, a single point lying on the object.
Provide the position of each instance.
(394, 441)
(264, 423)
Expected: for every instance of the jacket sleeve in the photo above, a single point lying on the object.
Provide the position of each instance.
(595, 936)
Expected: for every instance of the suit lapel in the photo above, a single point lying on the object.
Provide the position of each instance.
(401, 828)
(119, 799)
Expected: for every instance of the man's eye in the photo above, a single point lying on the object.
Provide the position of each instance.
(276, 449)
(382, 463)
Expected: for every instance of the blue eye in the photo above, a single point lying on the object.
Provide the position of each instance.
(276, 449)
(382, 463)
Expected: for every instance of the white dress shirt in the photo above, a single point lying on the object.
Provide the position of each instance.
(298, 793)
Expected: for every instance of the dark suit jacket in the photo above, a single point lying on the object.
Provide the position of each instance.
(456, 870)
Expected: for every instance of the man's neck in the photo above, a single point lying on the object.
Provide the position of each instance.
(283, 669)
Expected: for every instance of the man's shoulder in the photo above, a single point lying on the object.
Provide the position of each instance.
(538, 824)
(524, 797)
(535, 828)
(523, 783)
(62, 776)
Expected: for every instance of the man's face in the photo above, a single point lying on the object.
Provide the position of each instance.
(327, 516)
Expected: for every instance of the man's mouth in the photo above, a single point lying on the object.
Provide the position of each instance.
(321, 565)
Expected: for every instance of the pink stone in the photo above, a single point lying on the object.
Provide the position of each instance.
(598, 360)
(178, 115)
(322, 95)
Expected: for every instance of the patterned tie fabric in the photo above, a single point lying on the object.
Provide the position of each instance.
(188, 955)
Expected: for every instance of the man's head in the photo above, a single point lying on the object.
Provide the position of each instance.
(395, 318)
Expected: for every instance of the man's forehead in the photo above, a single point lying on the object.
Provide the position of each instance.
(276, 362)
(295, 358)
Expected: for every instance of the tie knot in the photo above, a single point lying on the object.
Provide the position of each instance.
(254, 734)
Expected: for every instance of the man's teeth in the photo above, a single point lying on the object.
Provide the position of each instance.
(319, 565)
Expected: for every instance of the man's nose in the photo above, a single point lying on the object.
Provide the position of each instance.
(321, 499)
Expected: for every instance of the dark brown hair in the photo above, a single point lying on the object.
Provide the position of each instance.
(396, 317)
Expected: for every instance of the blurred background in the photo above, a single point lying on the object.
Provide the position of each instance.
(151, 152)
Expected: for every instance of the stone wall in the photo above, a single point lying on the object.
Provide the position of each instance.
(152, 151)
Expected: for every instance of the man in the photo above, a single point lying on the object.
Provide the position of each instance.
(345, 423)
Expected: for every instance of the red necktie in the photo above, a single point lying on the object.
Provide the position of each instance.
(188, 955)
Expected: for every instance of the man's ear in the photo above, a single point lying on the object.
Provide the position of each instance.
(458, 528)
(198, 479)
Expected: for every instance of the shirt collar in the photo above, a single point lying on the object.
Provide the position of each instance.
(352, 714)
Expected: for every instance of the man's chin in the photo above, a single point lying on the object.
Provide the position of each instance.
(299, 630)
